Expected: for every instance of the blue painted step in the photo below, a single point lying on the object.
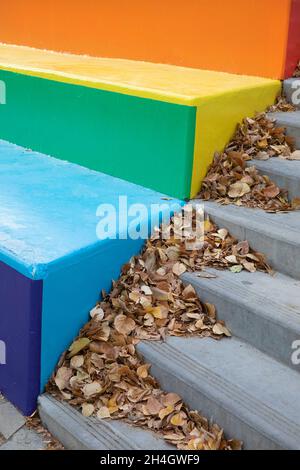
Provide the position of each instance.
(52, 263)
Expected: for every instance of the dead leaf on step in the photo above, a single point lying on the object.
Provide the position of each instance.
(165, 412)
(92, 389)
(179, 419)
(77, 362)
(62, 377)
(236, 268)
(179, 268)
(296, 203)
(78, 346)
(142, 371)
(238, 189)
(124, 324)
(103, 413)
(220, 329)
(87, 409)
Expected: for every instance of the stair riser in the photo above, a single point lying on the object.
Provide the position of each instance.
(198, 397)
(282, 255)
(282, 181)
(291, 89)
(249, 323)
(293, 132)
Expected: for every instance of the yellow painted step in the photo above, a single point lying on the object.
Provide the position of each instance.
(221, 99)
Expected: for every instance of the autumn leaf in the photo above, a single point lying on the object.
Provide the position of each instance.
(179, 419)
(89, 390)
(142, 371)
(87, 409)
(103, 413)
(77, 346)
(219, 329)
(179, 268)
(62, 377)
(77, 362)
(124, 324)
(238, 189)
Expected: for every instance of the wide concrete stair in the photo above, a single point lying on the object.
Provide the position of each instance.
(76, 432)
(248, 384)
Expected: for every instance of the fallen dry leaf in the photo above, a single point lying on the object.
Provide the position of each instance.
(92, 389)
(103, 413)
(87, 409)
(220, 329)
(124, 324)
(77, 346)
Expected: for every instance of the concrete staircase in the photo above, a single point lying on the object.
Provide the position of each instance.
(248, 384)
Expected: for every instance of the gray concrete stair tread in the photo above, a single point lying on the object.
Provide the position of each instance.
(284, 225)
(76, 432)
(252, 396)
(285, 173)
(279, 166)
(261, 309)
(275, 235)
(291, 119)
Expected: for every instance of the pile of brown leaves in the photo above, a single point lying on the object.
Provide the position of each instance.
(281, 105)
(261, 139)
(230, 181)
(102, 372)
(297, 71)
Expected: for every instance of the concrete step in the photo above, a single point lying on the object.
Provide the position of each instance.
(291, 89)
(275, 235)
(76, 432)
(260, 309)
(285, 173)
(252, 396)
(291, 121)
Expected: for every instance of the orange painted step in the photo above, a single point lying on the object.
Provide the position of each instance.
(251, 37)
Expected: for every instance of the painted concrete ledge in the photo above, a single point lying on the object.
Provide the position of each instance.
(130, 119)
(53, 265)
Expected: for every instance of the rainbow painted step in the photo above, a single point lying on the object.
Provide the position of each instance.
(249, 37)
(52, 263)
(151, 124)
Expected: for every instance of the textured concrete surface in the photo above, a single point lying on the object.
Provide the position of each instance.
(253, 397)
(262, 310)
(275, 235)
(24, 439)
(76, 432)
(285, 173)
(292, 123)
(14, 435)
